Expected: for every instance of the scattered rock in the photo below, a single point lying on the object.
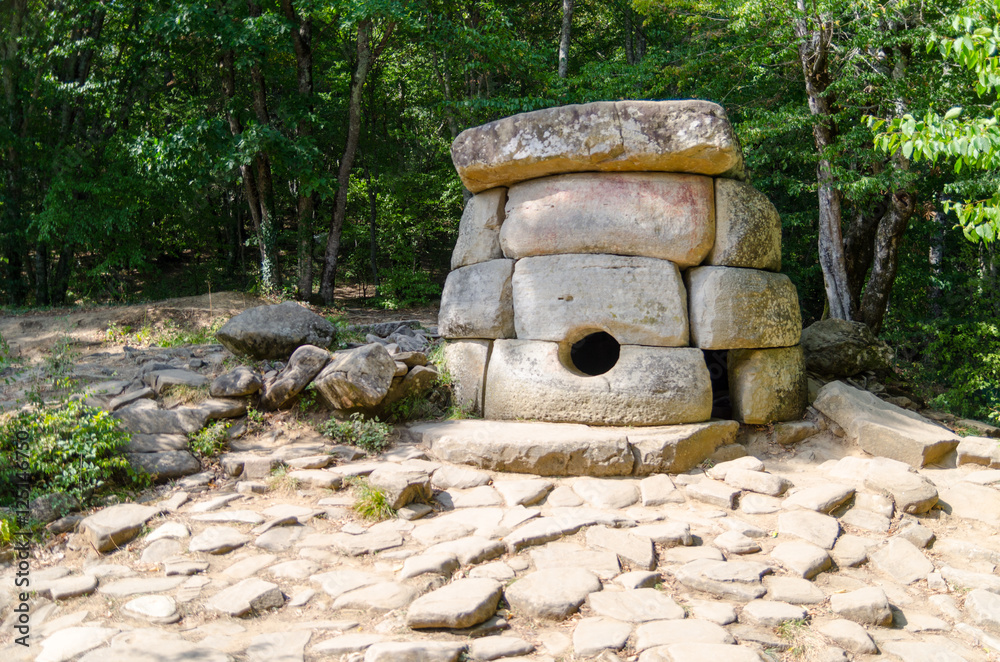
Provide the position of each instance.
(461, 604)
(867, 606)
(274, 332)
(552, 594)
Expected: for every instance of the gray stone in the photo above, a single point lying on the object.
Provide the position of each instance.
(497, 570)
(594, 635)
(157, 443)
(867, 606)
(747, 228)
(415, 651)
(919, 651)
(556, 555)
(552, 594)
(984, 608)
(522, 492)
(466, 363)
(742, 308)
(218, 540)
(460, 604)
(747, 463)
(901, 560)
(970, 501)
(676, 631)
(274, 332)
(647, 386)
(794, 590)
(678, 448)
(850, 636)
(303, 365)
(635, 606)
(607, 494)
(479, 230)
(913, 493)
(758, 504)
(563, 298)
(238, 382)
(130, 397)
(138, 585)
(767, 385)
(866, 519)
(159, 550)
(979, 450)
(70, 642)
(667, 534)
(771, 613)
(369, 542)
(843, 349)
(379, 598)
(439, 564)
(958, 578)
(165, 466)
(884, 429)
(162, 380)
(164, 650)
(278, 646)
(714, 493)
(638, 579)
(417, 381)
(356, 378)
(65, 587)
(317, 478)
(733, 580)
(155, 608)
(115, 526)
(757, 481)
(145, 417)
(821, 498)
(803, 558)
(470, 550)
(493, 648)
(477, 301)
(719, 613)
(658, 490)
(733, 542)
(810, 526)
(347, 643)
(400, 486)
(543, 449)
(245, 598)
(448, 477)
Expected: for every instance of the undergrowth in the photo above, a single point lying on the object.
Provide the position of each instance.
(167, 334)
(369, 501)
(371, 435)
(210, 441)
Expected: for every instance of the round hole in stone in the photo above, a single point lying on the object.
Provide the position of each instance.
(595, 353)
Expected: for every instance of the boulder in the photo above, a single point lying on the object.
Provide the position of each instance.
(166, 465)
(662, 136)
(417, 381)
(356, 378)
(479, 230)
(659, 215)
(564, 297)
(747, 228)
(647, 386)
(842, 349)
(274, 332)
(401, 486)
(733, 308)
(477, 303)
(883, 429)
(114, 526)
(466, 363)
(767, 385)
(238, 382)
(304, 364)
(145, 417)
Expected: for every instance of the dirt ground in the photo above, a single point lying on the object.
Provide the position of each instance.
(33, 333)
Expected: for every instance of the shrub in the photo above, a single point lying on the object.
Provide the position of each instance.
(370, 502)
(210, 441)
(72, 448)
(370, 435)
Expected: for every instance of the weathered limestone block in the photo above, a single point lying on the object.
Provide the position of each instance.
(667, 216)
(731, 308)
(647, 386)
(767, 385)
(466, 362)
(678, 448)
(884, 429)
(274, 332)
(358, 377)
(663, 136)
(543, 449)
(476, 302)
(747, 228)
(563, 297)
(479, 230)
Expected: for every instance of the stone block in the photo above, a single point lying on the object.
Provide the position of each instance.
(476, 302)
(661, 215)
(638, 300)
(661, 136)
(730, 308)
(466, 363)
(479, 230)
(747, 228)
(647, 386)
(678, 448)
(767, 385)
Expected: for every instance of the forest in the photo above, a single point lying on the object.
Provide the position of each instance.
(293, 147)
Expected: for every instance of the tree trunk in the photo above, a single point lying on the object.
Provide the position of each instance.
(564, 37)
(372, 218)
(306, 207)
(935, 259)
(629, 45)
(859, 251)
(60, 279)
(814, 45)
(366, 57)
(11, 232)
(41, 274)
(886, 260)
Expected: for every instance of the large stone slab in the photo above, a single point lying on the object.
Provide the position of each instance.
(466, 363)
(666, 216)
(747, 228)
(565, 297)
(145, 417)
(461, 604)
(767, 385)
(114, 526)
(359, 377)
(884, 429)
(166, 465)
(552, 594)
(274, 332)
(660, 136)
(732, 308)
(476, 302)
(544, 449)
(647, 386)
(479, 230)
(678, 448)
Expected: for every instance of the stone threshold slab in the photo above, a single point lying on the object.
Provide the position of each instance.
(567, 449)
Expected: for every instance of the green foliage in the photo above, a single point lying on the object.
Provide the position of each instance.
(73, 449)
(404, 288)
(369, 501)
(210, 441)
(167, 334)
(371, 435)
(6, 531)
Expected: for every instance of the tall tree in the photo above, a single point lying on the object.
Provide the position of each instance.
(564, 37)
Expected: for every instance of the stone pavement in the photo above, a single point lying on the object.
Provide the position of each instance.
(791, 556)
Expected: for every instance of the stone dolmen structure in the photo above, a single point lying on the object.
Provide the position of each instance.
(614, 269)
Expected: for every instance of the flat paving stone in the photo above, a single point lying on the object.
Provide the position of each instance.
(476, 497)
(688, 630)
(719, 613)
(794, 590)
(241, 516)
(297, 569)
(154, 608)
(696, 651)
(820, 498)
(714, 493)
(365, 543)
(555, 555)
(174, 530)
(866, 520)
(817, 528)
(114, 526)
(918, 651)
(851, 551)
(668, 534)
(460, 604)
(734, 580)
(138, 585)
(70, 642)
(496, 647)
(803, 558)
(278, 646)
(66, 587)
(339, 582)
(415, 651)
(497, 570)
(867, 606)
(347, 643)
(523, 492)
(757, 481)
(379, 598)
(249, 567)
(159, 550)
(635, 605)
(771, 613)
(684, 555)
(733, 542)
(470, 550)
(450, 476)
(437, 564)
(636, 550)
(607, 494)
(440, 530)
(983, 608)
(901, 560)
(594, 635)
(850, 636)
(658, 490)
(552, 594)
(160, 650)
(758, 504)
(247, 597)
(638, 579)
(218, 540)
